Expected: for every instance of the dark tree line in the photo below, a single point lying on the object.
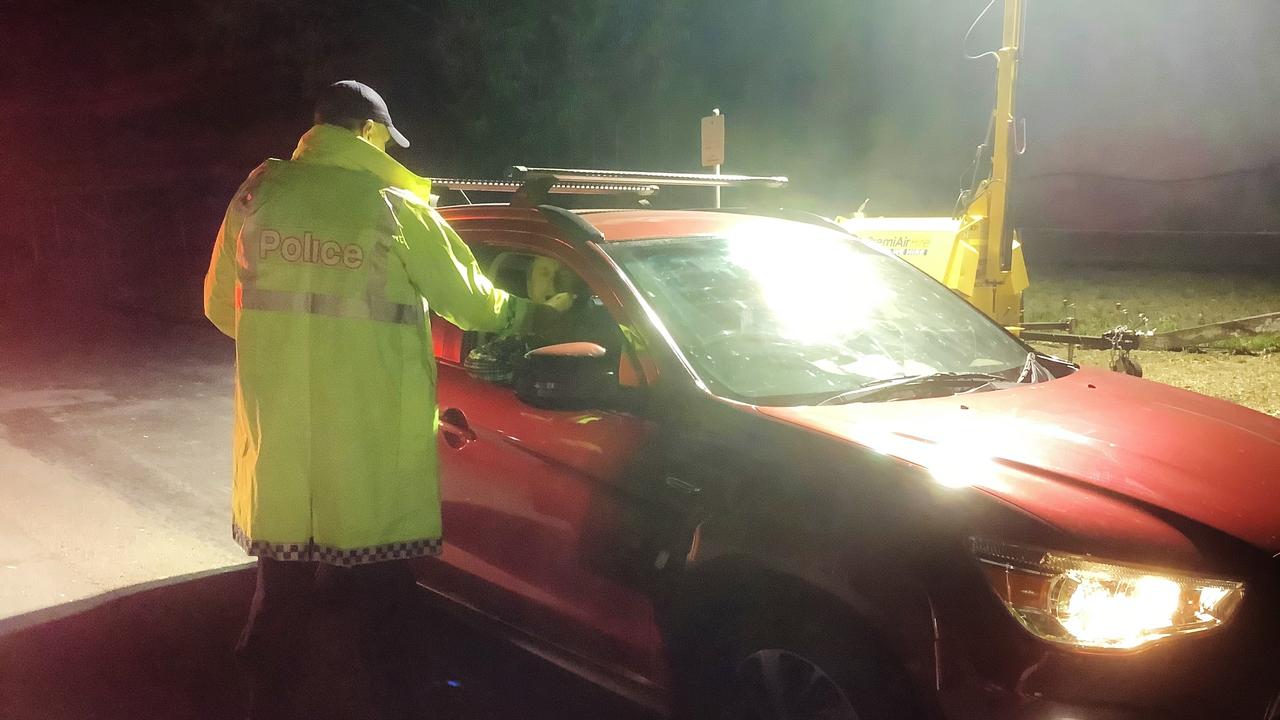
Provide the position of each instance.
(851, 98)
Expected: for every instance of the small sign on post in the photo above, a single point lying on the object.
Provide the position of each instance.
(713, 139)
(713, 143)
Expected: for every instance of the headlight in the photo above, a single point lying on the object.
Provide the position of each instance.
(1087, 603)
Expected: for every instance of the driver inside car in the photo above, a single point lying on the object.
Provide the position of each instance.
(576, 316)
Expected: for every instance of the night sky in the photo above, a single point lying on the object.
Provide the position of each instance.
(127, 126)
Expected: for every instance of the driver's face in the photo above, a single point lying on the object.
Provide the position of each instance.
(542, 279)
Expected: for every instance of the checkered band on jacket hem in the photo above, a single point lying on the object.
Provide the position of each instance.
(312, 552)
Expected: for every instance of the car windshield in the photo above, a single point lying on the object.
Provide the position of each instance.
(783, 313)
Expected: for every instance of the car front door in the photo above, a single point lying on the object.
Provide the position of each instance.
(547, 524)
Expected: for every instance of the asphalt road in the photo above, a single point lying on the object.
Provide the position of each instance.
(114, 456)
(121, 592)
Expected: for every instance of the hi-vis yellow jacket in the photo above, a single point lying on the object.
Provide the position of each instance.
(319, 273)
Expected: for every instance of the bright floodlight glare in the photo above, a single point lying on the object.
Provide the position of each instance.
(824, 293)
(1079, 601)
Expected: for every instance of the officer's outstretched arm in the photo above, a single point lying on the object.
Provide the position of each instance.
(445, 272)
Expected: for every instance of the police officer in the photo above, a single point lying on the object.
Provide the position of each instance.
(319, 273)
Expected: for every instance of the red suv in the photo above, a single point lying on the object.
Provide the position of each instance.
(762, 469)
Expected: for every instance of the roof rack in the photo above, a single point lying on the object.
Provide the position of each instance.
(562, 188)
(634, 178)
(531, 186)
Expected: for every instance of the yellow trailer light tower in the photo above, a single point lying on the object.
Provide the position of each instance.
(986, 226)
(976, 253)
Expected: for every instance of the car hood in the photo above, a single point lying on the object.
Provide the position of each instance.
(1093, 452)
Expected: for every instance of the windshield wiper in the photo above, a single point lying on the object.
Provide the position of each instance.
(1033, 371)
(878, 388)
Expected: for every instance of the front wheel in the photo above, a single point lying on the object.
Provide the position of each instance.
(776, 661)
(777, 684)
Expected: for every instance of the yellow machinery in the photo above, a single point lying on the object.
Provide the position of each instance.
(976, 253)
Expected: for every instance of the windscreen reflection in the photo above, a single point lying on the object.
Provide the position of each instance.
(791, 314)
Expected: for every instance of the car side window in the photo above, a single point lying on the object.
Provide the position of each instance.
(538, 278)
(514, 270)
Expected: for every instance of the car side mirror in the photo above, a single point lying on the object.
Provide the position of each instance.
(569, 376)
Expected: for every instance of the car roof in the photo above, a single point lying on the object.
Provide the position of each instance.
(623, 225)
(629, 224)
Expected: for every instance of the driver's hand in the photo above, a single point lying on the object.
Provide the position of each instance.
(561, 302)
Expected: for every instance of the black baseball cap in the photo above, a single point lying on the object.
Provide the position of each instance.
(351, 100)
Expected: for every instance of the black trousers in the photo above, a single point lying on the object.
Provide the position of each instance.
(372, 605)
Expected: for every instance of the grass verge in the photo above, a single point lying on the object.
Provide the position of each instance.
(1160, 300)
(1242, 370)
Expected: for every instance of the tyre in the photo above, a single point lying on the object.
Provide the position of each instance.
(778, 660)
(773, 684)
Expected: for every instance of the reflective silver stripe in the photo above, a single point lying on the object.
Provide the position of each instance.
(355, 308)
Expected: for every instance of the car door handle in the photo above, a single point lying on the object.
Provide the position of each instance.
(455, 428)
